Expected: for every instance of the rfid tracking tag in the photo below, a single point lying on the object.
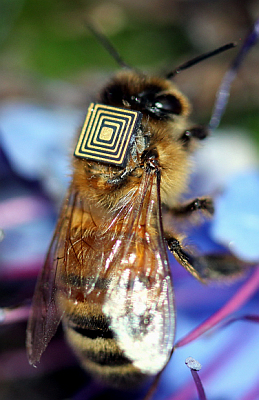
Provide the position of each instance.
(106, 134)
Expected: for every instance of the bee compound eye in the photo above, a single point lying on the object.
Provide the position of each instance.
(168, 104)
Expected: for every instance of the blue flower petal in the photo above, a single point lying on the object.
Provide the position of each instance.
(236, 222)
(38, 141)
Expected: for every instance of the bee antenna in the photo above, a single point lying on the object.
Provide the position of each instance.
(200, 58)
(106, 44)
(224, 89)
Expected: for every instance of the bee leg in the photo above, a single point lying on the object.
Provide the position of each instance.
(222, 266)
(185, 259)
(209, 266)
(204, 204)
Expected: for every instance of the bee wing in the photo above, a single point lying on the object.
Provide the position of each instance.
(45, 315)
(128, 252)
(139, 302)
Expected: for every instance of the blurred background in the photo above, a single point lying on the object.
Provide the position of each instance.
(50, 69)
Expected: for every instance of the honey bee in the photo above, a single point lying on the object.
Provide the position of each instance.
(107, 274)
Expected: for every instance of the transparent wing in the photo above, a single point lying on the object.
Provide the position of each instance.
(117, 259)
(139, 302)
(45, 315)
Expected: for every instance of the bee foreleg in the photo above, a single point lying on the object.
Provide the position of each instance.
(222, 266)
(208, 266)
(204, 204)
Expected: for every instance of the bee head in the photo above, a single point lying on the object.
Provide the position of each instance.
(158, 99)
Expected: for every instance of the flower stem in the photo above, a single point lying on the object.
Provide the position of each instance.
(198, 384)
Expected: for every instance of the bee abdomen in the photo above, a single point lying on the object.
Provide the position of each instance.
(89, 334)
(94, 333)
(101, 356)
(97, 349)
